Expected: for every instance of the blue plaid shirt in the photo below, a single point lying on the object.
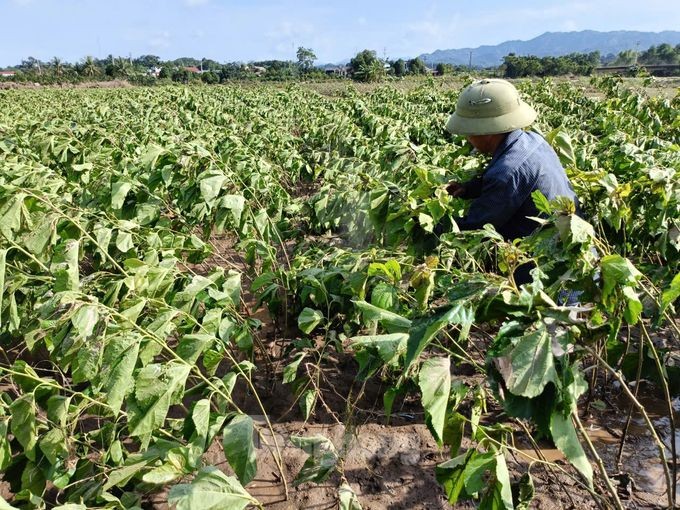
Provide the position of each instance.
(523, 162)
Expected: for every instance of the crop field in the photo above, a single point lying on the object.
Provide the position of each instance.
(233, 296)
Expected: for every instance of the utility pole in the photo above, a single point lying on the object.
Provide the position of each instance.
(470, 62)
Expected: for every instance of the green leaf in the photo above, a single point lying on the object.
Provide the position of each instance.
(348, 499)
(435, 384)
(54, 445)
(503, 479)
(23, 423)
(235, 204)
(3, 267)
(529, 366)
(210, 490)
(386, 318)
(574, 230)
(239, 449)
(200, 416)
(307, 403)
(163, 474)
(566, 440)
(119, 191)
(5, 446)
(421, 335)
(450, 475)
(477, 471)
(541, 203)
(39, 239)
(65, 267)
(152, 415)
(667, 298)
(68, 506)
(85, 319)
(384, 296)
(122, 475)
(562, 144)
(124, 241)
(211, 186)
(389, 347)
(192, 346)
(309, 319)
(617, 270)
(321, 461)
(290, 370)
(633, 307)
(119, 360)
(426, 222)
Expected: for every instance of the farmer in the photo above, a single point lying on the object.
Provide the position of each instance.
(492, 117)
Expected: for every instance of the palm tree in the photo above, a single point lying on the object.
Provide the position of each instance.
(89, 67)
(57, 66)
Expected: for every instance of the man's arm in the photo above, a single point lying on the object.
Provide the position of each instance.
(498, 201)
(468, 190)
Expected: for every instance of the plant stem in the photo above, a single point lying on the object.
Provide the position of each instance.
(600, 464)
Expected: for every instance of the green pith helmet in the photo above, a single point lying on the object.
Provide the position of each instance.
(489, 107)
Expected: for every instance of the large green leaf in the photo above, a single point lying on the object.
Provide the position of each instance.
(450, 475)
(386, 318)
(309, 319)
(421, 335)
(617, 270)
(529, 365)
(566, 440)
(435, 384)
(389, 347)
(119, 360)
(23, 424)
(237, 441)
(210, 490)
(152, 415)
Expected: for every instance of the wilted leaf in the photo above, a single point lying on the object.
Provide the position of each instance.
(435, 384)
(566, 440)
(238, 447)
(210, 490)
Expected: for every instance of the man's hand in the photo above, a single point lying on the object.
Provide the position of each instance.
(455, 189)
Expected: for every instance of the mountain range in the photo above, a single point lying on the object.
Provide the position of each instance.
(554, 44)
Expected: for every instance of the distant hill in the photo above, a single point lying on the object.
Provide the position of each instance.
(555, 44)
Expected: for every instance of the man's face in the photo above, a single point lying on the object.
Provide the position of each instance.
(486, 144)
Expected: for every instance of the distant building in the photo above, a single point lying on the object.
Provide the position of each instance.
(153, 71)
(7, 74)
(257, 70)
(337, 71)
(193, 69)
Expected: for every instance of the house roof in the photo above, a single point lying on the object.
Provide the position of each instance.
(192, 69)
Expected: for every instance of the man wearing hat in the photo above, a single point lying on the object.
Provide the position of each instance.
(492, 116)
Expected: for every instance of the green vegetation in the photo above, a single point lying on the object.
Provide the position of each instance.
(575, 63)
(126, 332)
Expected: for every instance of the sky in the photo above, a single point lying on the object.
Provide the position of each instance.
(241, 30)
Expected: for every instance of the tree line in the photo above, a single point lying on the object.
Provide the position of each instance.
(515, 66)
(364, 66)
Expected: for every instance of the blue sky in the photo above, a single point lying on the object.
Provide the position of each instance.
(231, 30)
